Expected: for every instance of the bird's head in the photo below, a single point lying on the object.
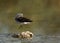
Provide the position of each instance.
(19, 15)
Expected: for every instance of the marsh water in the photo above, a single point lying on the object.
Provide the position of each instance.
(45, 15)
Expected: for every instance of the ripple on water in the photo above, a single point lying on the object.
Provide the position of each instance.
(36, 39)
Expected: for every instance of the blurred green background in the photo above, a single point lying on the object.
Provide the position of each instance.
(44, 13)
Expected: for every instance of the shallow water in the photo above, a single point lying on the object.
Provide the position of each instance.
(45, 15)
(6, 38)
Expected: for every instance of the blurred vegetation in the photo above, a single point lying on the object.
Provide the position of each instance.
(44, 13)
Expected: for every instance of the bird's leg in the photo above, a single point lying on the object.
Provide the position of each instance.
(20, 26)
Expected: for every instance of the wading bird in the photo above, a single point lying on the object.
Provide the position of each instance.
(22, 20)
(23, 35)
(26, 35)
